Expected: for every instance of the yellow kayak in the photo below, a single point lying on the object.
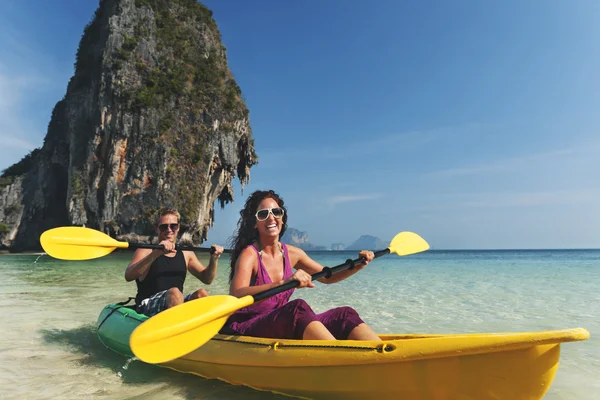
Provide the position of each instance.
(483, 366)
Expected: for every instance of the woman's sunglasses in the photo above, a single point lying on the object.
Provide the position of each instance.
(262, 215)
(164, 227)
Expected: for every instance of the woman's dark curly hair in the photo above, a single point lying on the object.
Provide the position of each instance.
(246, 232)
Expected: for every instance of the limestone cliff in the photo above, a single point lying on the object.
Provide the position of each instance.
(337, 246)
(367, 242)
(299, 239)
(152, 117)
(11, 211)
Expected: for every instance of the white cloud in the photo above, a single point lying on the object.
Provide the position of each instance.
(9, 141)
(16, 130)
(352, 198)
(514, 199)
(413, 140)
(372, 143)
(532, 199)
(26, 78)
(560, 157)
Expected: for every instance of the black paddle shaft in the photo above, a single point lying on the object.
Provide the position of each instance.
(180, 248)
(326, 272)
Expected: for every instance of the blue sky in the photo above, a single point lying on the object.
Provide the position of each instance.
(474, 124)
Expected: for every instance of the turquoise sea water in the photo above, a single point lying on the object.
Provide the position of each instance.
(48, 308)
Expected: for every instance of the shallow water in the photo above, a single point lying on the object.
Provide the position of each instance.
(50, 350)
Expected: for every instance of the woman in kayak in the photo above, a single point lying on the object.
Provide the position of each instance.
(260, 262)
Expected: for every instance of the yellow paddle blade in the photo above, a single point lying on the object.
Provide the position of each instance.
(78, 243)
(406, 243)
(180, 330)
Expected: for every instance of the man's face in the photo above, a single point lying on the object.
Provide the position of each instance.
(167, 228)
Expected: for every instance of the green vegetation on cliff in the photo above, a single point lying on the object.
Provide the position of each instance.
(151, 118)
(182, 67)
(169, 67)
(190, 73)
(9, 174)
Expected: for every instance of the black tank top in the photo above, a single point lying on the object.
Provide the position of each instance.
(165, 273)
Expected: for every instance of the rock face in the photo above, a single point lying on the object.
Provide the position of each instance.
(337, 246)
(367, 242)
(11, 212)
(299, 239)
(151, 118)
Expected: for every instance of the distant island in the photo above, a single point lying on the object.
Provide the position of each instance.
(338, 246)
(300, 239)
(367, 242)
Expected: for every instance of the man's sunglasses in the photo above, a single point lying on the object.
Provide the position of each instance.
(262, 215)
(164, 227)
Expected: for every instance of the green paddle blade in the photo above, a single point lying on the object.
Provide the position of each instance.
(406, 243)
(182, 329)
(78, 243)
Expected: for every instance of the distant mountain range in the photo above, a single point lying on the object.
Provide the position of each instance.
(300, 239)
(338, 246)
(367, 242)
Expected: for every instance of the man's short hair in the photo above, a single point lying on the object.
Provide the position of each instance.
(167, 211)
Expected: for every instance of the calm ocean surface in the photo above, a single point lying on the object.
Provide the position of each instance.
(49, 348)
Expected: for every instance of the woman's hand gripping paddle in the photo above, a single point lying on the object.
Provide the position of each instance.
(181, 329)
(78, 243)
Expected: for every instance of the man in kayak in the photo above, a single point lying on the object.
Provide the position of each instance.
(260, 262)
(160, 274)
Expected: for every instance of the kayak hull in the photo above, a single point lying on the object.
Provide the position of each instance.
(458, 366)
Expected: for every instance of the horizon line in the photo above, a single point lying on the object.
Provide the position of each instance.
(488, 249)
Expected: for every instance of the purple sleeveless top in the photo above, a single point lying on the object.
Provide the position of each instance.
(277, 317)
(269, 303)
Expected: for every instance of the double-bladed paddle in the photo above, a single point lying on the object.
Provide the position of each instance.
(79, 243)
(179, 330)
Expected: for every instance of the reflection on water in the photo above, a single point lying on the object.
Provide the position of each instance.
(83, 341)
(50, 350)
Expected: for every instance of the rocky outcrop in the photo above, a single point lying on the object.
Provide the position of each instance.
(299, 239)
(337, 246)
(11, 212)
(367, 242)
(152, 117)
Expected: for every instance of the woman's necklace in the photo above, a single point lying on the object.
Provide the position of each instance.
(260, 252)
